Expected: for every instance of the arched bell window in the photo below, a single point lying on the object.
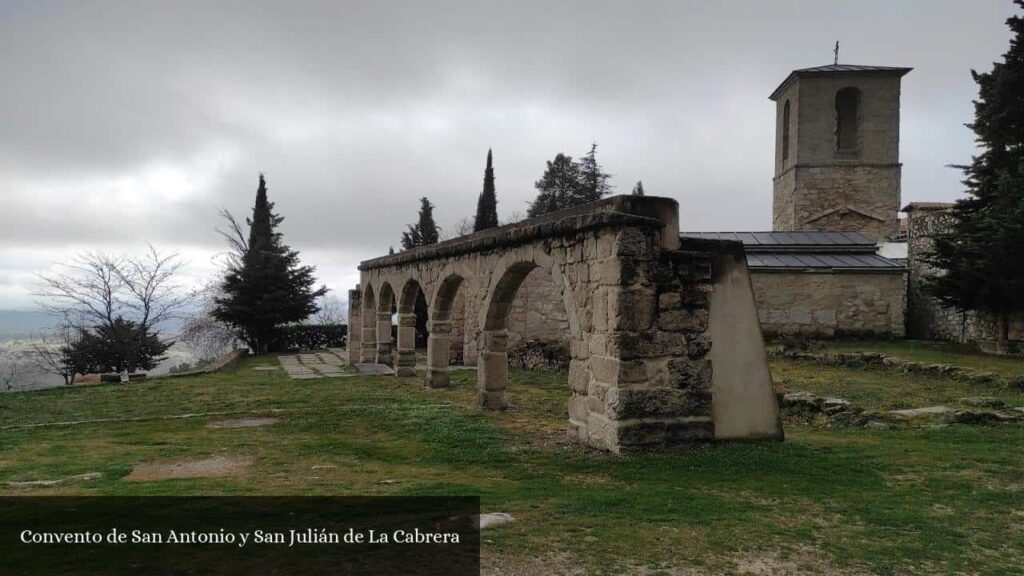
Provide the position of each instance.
(785, 131)
(847, 102)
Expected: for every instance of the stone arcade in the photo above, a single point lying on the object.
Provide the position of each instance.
(665, 342)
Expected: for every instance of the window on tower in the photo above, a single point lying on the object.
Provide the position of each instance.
(785, 131)
(847, 101)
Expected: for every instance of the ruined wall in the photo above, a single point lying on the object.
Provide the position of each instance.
(927, 318)
(537, 312)
(638, 309)
(827, 304)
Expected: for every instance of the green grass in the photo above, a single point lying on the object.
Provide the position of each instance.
(935, 353)
(881, 387)
(925, 500)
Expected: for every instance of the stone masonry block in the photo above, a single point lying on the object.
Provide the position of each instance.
(650, 344)
(683, 320)
(614, 371)
(631, 309)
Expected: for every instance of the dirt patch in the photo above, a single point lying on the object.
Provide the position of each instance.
(212, 467)
(244, 423)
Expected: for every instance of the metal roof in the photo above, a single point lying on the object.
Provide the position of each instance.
(822, 260)
(757, 241)
(839, 69)
(806, 250)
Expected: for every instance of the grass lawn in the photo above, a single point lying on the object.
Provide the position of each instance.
(934, 500)
(935, 353)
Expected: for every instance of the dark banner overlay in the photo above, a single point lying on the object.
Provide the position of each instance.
(301, 536)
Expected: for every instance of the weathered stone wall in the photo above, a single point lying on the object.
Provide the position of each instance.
(861, 199)
(537, 312)
(827, 304)
(637, 306)
(927, 318)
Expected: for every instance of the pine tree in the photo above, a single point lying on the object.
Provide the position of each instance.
(558, 187)
(266, 287)
(594, 183)
(487, 204)
(638, 189)
(979, 253)
(425, 231)
(566, 183)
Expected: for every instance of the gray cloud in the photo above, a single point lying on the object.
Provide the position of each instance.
(131, 122)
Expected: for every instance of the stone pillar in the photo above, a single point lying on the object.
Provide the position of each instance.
(650, 378)
(368, 350)
(355, 325)
(438, 351)
(492, 371)
(384, 346)
(405, 357)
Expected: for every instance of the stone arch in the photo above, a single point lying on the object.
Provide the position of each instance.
(368, 316)
(440, 329)
(385, 305)
(847, 120)
(492, 365)
(405, 356)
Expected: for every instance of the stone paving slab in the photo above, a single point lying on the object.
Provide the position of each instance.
(311, 365)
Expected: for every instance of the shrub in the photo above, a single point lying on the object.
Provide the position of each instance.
(540, 355)
(1017, 382)
(312, 336)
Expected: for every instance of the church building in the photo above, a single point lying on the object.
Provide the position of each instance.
(831, 264)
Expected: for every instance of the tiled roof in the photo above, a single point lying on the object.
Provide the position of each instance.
(838, 69)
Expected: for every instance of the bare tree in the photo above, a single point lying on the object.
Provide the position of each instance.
(461, 228)
(57, 351)
(15, 371)
(204, 336)
(101, 288)
(331, 311)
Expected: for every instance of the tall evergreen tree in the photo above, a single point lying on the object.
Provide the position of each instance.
(487, 204)
(638, 189)
(594, 183)
(979, 253)
(558, 187)
(425, 231)
(266, 286)
(567, 183)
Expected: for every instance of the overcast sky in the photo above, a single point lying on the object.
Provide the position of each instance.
(130, 122)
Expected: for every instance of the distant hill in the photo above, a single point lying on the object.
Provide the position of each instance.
(23, 323)
(28, 323)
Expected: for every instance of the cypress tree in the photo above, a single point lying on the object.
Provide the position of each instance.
(638, 189)
(266, 287)
(487, 203)
(979, 252)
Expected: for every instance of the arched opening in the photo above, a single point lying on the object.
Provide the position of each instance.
(368, 335)
(412, 327)
(385, 340)
(847, 102)
(492, 365)
(538, 326)
(447, 321)
(785, 131)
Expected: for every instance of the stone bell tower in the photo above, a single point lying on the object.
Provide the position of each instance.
(837, 145)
